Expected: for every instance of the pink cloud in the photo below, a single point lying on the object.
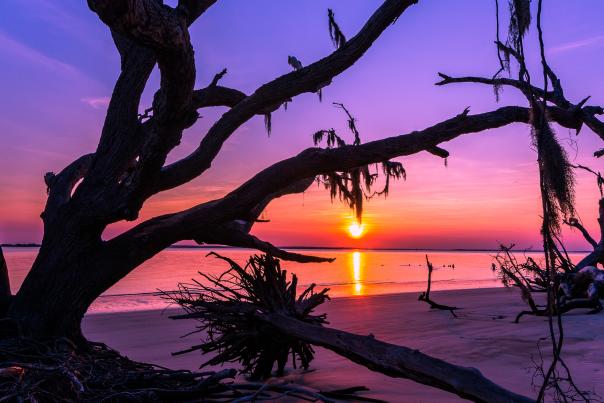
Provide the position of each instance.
(582, 43)
(96, 102)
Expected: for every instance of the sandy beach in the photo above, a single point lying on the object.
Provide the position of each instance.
(483, 336)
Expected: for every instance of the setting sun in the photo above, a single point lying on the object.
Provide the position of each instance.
(356, 230)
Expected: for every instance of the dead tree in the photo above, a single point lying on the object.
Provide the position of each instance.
(252, 315)
(425, 296)
(75, 265)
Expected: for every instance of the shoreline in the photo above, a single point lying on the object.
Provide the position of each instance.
(327, 248)
(483, 336)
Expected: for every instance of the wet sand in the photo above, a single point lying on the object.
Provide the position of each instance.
(483, 336)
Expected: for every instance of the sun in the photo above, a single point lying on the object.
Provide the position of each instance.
(356, 230)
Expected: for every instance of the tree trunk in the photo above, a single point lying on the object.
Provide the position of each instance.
(397, 361)
(60, 286)
(5, 294)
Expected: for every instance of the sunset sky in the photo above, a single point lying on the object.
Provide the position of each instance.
(58, 65)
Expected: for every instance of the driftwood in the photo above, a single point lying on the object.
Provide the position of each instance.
(57, 370)
(425, 296)
(252, 323)
(225, 308)
(572, 290)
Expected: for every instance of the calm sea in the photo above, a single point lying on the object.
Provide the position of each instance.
(353, 273)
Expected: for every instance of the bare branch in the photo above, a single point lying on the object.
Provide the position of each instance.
(148, 22)
(597, 256)
(578, 113)
(306, 79)
(573, 222)
(218, 77)
(439, 152)
(148, 238)
(164, 30)
(521, 85)
(233, 235)
(61, 186)
(194, 8)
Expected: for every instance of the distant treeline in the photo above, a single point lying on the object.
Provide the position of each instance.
(20, 245)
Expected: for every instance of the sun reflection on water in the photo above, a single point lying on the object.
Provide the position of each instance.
(356, 273)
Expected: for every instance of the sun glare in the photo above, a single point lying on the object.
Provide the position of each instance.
(356, 230)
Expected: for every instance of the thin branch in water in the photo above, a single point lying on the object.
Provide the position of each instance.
(425, 296)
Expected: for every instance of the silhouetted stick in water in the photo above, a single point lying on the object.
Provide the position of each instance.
(425, 296)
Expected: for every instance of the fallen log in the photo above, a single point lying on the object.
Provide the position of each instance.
(253, 316)
(395, 361)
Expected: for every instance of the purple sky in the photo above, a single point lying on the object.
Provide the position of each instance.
(58, 65)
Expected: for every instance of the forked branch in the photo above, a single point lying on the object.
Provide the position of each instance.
(274, 93)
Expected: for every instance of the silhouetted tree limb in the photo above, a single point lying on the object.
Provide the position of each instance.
(425, 296)
(597, 256)
(577, 115)
(194, 8)
(306, 79)
(61, 186)
(153, 235)
(233, 236)
(573, 222)
(396, 361)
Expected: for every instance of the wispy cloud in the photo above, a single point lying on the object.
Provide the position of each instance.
(17, 48)
(96, 102)
(582, 43)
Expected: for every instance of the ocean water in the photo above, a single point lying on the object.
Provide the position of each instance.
(353, 273)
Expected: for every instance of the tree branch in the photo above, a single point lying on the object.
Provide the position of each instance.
(573, 222)
(521, 85)
(597, 256)
(148, 238)
(306, 79)
(233, 234)
(578, 113)
(194, 8)
(128, 250)
(164, 30)
(60, 186)
(216, 95)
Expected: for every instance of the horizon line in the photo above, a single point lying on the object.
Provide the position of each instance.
(37, 245)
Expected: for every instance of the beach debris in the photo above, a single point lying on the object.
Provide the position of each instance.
(580, 289)
(425, 296)
(55, 370)
(251, 315)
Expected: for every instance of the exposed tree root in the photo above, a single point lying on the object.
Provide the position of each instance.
(572, 290)
(252, 316)
(57, 370)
